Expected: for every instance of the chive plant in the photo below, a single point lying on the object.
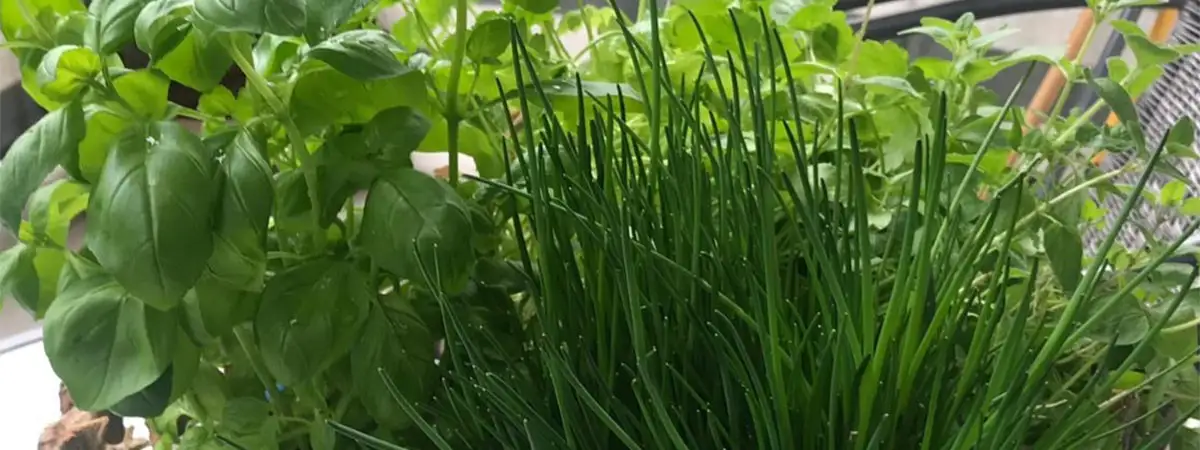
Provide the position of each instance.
(691, 290)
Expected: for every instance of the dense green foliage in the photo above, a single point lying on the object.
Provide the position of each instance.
(731, 226)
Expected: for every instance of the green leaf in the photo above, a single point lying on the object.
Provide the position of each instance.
(273, 54)
(145, 91)
(1118, 69)
(112, 24)
(489, 39)
(148, 402)
(198, 62)
(324, 16)
(66, 70)
(102, 128)
(161, 26)
(1181, 137)
(1172, 193)
(362, 54)
(33, 156)
(211, 309)
(16, 28)
(886, 83)
(1064, 249)
(248, 422)
(398, 342)
(882, 59)
(411, 218)
(395, 133)
(1191, 207)
(18, 276)
(536, 6)
(324, 96)
(1120, 102)
(309, 317)
(151, 213)
(282, 17)
(51, 209)
(239, 255)
(1147, 52)
(105, 344)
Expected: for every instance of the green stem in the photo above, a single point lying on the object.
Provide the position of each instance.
(194, 114)
(299, 149)
(1186, 326)
(259, 368)
(453, 118)
(1066, 92)
(350, 220)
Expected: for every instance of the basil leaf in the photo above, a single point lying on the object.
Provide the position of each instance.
(283, 17)
(65, 70)
(324, 16)
(324, 96)
(395, 133)
(151, 213)
(489, 39)
(212, 308)
(112, 24)
(362, 54)
(396, 341)
(309, 317)
(102, 128)
(161, 26)
(33, 156)
(239, 255)
(145, 92)
(105, 344)
(198, 62)
(18, 276)
(411, 219)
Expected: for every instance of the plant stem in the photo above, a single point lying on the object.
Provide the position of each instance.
(453, 118)
(260, 371)
(1066, 91)
(300, 150)
(194, 114)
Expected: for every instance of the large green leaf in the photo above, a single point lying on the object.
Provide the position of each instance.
(395, 133)
(362, 54)
(66, 70)
(324, 96)
(198, 62)
(18, 276)
(105, 344)
(488, 39)
(309, 317)
(149, 222)
(411, 219)
(144, 91)
(102, 128)
(33, 156)
(324, 16)
(396, 341)
(1064, 249)
(239, 255)
(161, 26)
(283, 17)
(212, 308)
(536, 6)
(112, 24)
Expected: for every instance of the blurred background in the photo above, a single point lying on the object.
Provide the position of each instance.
(29, 388)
